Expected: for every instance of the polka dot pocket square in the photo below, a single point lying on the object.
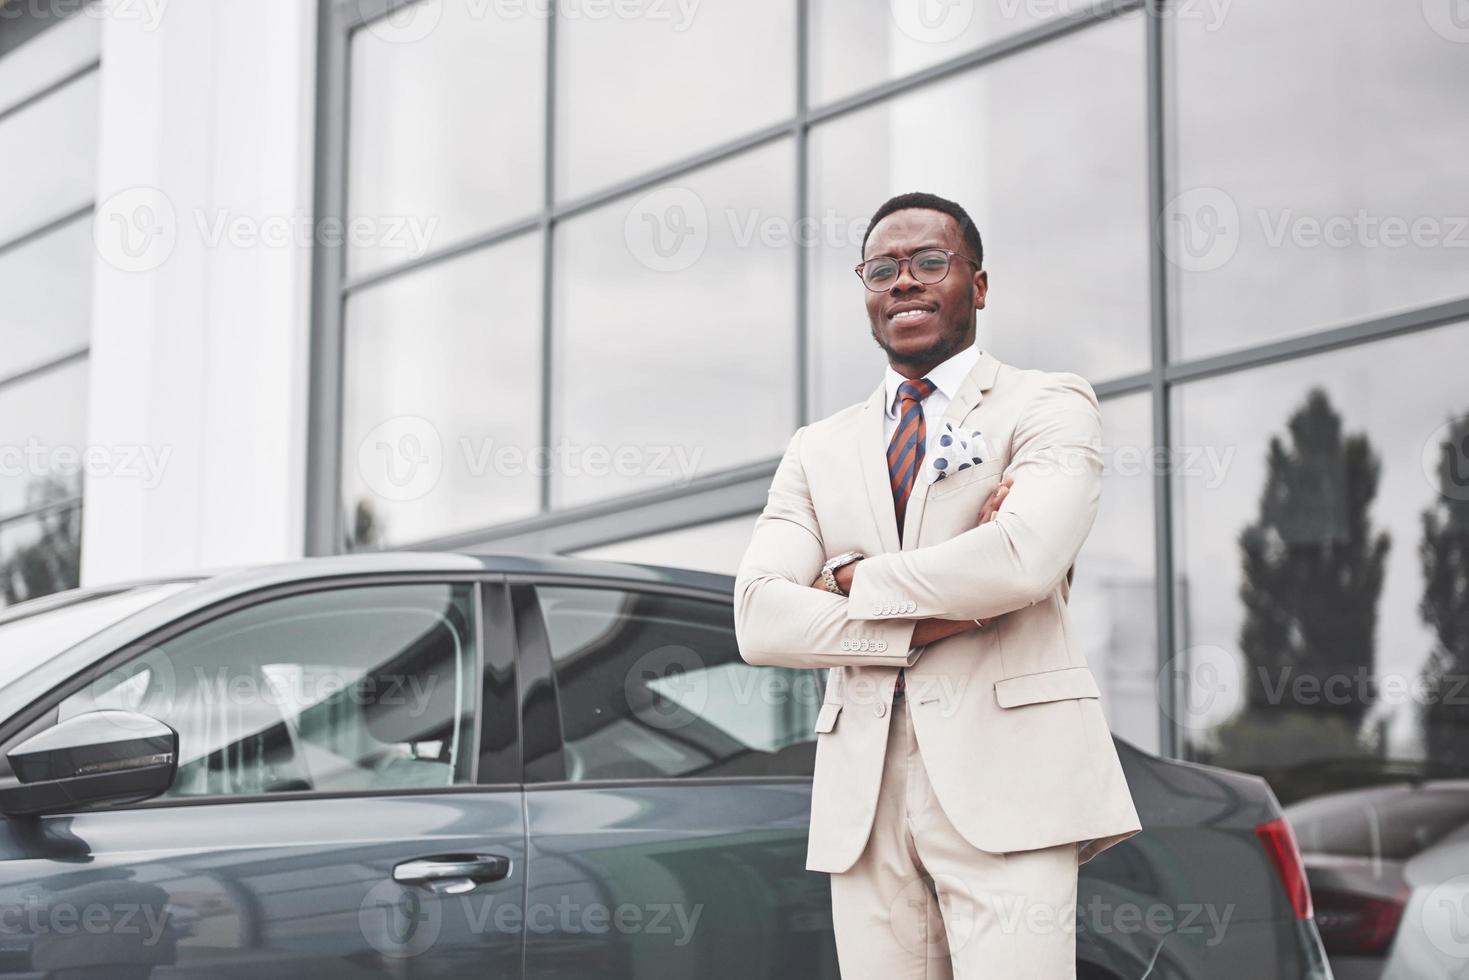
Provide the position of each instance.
(951, 449)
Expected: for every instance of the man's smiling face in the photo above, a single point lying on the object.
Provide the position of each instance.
(920, 325)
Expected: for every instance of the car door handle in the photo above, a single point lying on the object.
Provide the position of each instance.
(453, 874)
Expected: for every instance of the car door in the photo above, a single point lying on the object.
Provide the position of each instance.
(668, 791)
(346, 802)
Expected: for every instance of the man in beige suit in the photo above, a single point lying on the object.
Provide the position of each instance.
(920, 544)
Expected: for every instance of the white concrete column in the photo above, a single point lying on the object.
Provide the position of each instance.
(201, 310)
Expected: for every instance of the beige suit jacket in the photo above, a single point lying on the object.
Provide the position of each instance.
(1007, 717)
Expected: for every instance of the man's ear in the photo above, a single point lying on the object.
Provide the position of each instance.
(981, 288)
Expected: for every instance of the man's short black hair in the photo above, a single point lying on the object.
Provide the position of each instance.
(931, 202)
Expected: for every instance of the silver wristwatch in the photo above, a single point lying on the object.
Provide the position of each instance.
(828, 578)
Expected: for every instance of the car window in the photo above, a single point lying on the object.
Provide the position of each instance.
(652, 686)
(359, 688)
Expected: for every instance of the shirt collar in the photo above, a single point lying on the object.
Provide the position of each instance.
(947, 377)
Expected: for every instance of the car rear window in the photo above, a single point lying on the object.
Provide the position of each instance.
(1393, 823)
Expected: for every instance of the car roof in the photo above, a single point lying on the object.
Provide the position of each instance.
(367, 563)
(388, 562)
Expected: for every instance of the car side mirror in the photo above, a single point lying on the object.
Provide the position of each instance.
(100, 757)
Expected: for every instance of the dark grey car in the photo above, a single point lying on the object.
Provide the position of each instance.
(433, 765)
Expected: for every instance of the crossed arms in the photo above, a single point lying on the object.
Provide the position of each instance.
(1016, 559)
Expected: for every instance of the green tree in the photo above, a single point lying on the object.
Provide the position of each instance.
(1444, 553)
(1313, 570)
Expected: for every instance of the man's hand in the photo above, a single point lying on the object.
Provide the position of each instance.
(933, 630)
(991, 505)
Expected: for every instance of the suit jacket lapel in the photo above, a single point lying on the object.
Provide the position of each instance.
(872, 452)
(980, 378)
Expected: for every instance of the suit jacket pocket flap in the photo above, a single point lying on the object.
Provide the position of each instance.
(1046, 685)
(826, 720)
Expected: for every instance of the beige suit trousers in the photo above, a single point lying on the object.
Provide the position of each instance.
(923, 903)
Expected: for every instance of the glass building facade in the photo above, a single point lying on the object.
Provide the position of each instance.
(627, 293)
(48, 147)
(581, 268)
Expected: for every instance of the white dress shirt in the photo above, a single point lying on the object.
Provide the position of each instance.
(947, 377)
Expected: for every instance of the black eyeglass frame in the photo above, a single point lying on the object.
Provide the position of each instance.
(948, 254)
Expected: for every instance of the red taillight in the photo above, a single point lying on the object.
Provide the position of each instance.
(1357, 925)
(1280, 843)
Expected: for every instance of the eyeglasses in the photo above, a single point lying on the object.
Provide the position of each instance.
(927, 265)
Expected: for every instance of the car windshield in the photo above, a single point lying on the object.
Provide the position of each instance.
(28, 640)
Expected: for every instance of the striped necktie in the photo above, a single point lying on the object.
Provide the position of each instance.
(905, 452)
(905, 458)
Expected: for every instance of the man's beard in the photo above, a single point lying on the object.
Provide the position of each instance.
(939, 351)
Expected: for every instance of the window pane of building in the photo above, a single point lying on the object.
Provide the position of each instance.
(1322, 568)
(448, 127)
(47, 288)
(49, 148)
(653, 686)
(1066, 240)
(660, 82)
(1112, 606)
(714, 547)
(43, 422)
(441, 397)
(46, 58)
(674, 339)
(860, 43)
(1319, 173)
(40, 555)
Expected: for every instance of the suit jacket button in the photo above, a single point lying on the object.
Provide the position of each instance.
(846, 644)
(881, 709)
(912, 605)
(882, 645)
